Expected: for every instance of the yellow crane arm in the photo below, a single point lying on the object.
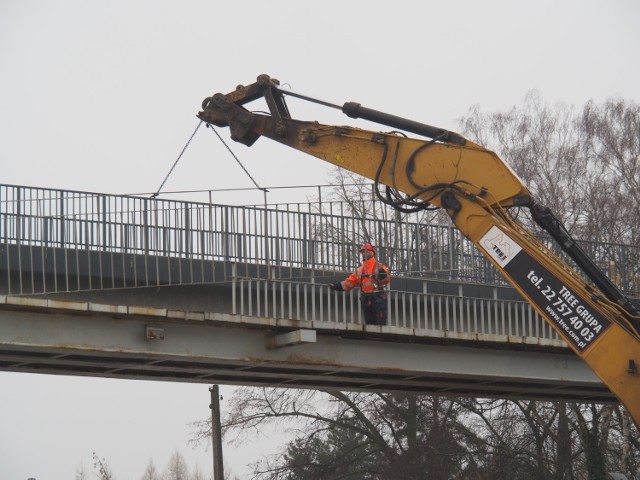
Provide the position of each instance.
(476, 188)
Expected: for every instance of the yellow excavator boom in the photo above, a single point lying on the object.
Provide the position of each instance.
(477, 189)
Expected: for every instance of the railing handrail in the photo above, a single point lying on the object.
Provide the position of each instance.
(290, 238)
(308, 301)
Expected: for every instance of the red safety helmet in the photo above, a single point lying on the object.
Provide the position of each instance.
(367, 247)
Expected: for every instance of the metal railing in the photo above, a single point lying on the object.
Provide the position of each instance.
(418, 311)
(60, 241)
(312, 236)
(320, 237)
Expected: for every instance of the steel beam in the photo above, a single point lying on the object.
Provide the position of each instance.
(114, 341)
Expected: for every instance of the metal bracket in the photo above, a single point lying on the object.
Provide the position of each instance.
(228, 109)
(295, 337)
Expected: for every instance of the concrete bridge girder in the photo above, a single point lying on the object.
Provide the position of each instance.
(83, 338)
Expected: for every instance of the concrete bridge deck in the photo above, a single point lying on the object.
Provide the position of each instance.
(85, 338)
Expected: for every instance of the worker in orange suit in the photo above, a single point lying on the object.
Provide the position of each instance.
(372, 277)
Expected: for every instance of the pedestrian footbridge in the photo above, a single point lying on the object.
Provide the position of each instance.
(144, 288)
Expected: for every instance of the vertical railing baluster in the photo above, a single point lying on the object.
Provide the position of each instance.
(234, 286)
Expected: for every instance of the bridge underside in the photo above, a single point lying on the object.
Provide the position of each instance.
(81, 338)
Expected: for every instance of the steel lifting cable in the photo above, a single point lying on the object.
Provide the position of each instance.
(154, 195)
(236, 158)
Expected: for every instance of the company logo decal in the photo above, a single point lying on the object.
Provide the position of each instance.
(501, 247)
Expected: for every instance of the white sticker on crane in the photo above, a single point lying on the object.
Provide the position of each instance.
(500, 246)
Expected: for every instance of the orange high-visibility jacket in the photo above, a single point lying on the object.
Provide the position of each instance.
(366, 276)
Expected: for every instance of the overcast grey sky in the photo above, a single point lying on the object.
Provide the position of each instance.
(102, 96)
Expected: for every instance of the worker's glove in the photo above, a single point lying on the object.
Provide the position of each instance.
(336, 287)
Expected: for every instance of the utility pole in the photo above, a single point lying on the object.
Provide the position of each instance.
(216, 433)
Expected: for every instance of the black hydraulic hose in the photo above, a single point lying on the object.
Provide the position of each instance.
(545, 218)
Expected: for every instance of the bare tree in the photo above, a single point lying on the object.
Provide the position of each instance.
(613, 135)
(151, 472)
(584, 165)
(80, 473)
(177, 468)
(102, 468)
(545, 147)
(374, 435)
(550, 149)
